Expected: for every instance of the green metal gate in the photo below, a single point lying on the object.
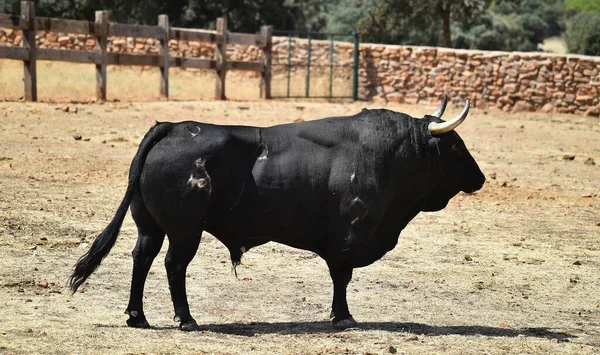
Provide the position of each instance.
(287, 67)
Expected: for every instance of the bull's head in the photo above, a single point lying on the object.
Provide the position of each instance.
(457, 170)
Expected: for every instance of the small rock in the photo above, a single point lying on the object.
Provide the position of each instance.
(43, 284)
(554, 341)
(390, 350)
(592, 112)
(412, 338)
(587, 195)
(29, 300)
(589, 161)
(547, 108)
(247, 278)
(65, 108)
(568, 157)
(468, 258)
(577, 262)
(72, 109)
(77, 137)
(522, 106)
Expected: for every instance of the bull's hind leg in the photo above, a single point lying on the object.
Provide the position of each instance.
(181, 251)
(150, 240)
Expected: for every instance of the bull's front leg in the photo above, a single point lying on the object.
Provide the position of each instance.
(340, 315)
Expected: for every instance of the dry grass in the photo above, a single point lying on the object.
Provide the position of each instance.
(511, 269)
(64, 82)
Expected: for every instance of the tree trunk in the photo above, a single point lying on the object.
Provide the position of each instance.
(446, 23)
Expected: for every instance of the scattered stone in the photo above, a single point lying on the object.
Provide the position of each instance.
(43, 284)
(577, 262)
(587, 195)
(468, 258)
(547, 108)
(65, 108)
(568, 157)
(247, 278)
(554, 341)
(412, 338)
(522, 106)
(390, 350)
(589, 162)
(592, 112)
(72, 109)
(77, 137)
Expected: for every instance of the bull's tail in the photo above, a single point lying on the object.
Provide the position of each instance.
(88, 263)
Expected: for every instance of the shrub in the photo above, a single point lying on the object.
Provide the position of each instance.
(583, 33)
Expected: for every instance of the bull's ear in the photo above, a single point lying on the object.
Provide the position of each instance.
(433, 145)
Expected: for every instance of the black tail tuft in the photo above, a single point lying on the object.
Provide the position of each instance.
(90, 261)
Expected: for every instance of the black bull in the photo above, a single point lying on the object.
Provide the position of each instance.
(341, 187)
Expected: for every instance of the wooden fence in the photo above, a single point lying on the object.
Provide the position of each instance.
(102, 29)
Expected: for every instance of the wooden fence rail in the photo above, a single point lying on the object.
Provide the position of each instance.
(102, 29)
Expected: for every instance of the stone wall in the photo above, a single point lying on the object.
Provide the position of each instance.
(507, 81)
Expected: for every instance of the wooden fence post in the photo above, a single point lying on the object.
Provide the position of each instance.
(265, 75)
(30, 67)
(101, 31)
(163, 22)
(221, 59)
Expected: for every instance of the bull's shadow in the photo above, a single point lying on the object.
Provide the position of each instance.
(250, 329)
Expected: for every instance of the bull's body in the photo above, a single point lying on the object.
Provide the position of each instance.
(341, 187)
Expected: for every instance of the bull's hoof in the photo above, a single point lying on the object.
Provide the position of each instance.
(346, 323)
(188, 324)
(138, 322)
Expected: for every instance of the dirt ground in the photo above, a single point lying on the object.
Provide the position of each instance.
(514, 268)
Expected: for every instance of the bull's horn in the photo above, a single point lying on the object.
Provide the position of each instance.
(440, 128)
(440, 111)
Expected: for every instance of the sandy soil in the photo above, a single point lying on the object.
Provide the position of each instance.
(513, 268)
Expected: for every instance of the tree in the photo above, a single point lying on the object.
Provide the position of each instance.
(583, 33)
(423, 15)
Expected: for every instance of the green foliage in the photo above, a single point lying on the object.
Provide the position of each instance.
(509, 25)
(343, 16)
(242, 15)
(512, 26)
(425, 22)
(583, 5)
(583, 33)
